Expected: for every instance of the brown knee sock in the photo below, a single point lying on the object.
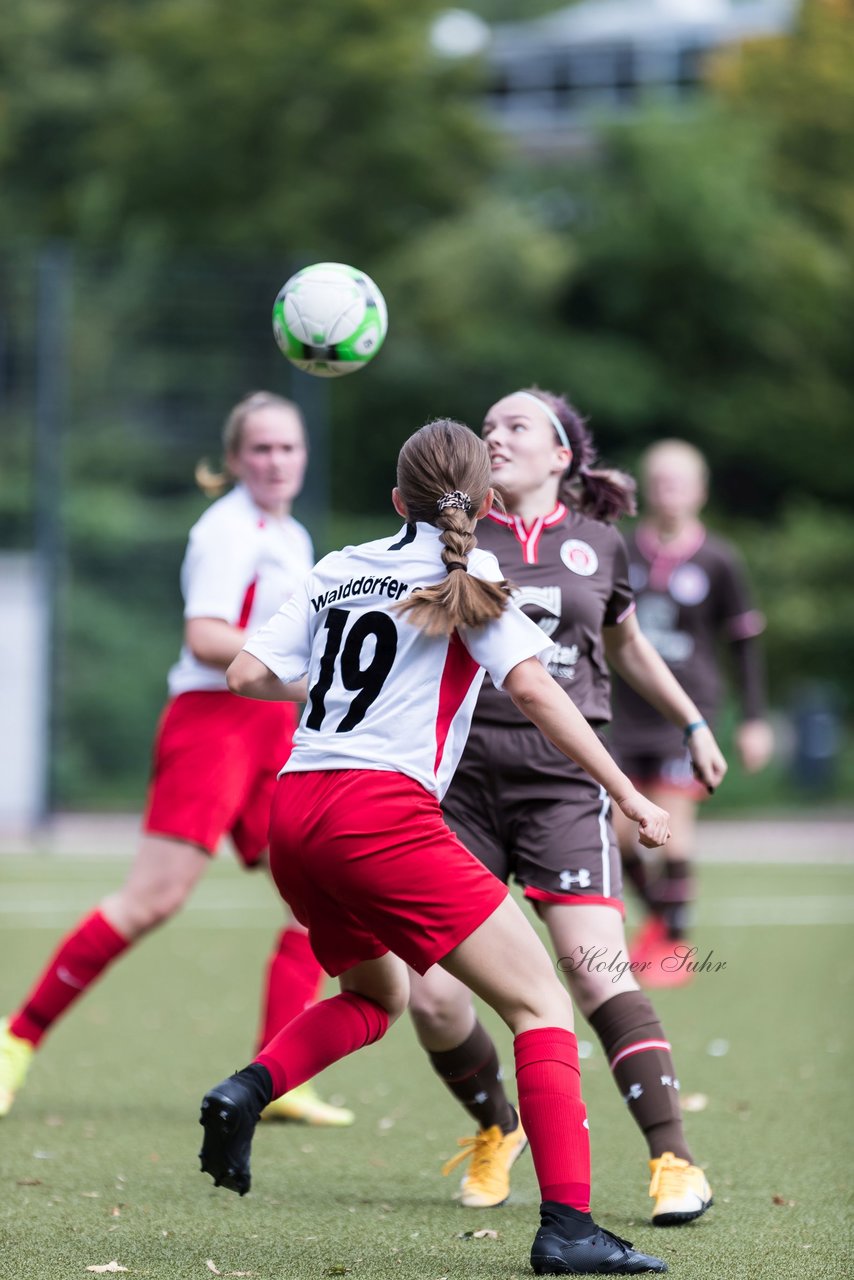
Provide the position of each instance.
(472, 1072)
(672, 896)
(634, 870)
(641, 1064)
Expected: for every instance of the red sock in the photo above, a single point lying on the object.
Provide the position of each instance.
(80, 958)
(320, 1036)
(294, 980)
(553, 1114)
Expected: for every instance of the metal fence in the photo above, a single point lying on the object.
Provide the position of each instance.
(115, 377)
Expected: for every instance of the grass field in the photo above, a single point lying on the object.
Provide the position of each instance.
(98, 1159)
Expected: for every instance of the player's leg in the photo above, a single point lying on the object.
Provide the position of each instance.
(464, 1057)
(293, 977)
(590, 942)
(505, 964)
(374, 994)
(673, 893)
(293, 982)
(664, 881)
(197, 780)
(458, 1046)
(161, 877)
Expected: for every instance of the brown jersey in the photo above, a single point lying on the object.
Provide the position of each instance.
(516, 801)
(691, 597)
(571, 578)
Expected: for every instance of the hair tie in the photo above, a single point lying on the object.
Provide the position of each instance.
(455, 499)
(456, 564)
(553, 419)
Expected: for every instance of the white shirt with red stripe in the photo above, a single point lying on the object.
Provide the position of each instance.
(382, 694)
(241, 565)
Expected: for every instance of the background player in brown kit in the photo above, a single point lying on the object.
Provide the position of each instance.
(528, 813)
(215, 755)
(693, 600)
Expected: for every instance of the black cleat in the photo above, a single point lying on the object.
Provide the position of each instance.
(559, 1252)
(229, 1116)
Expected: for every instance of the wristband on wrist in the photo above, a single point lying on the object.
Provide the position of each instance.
(692, 728)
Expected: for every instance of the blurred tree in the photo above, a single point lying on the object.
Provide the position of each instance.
(202, 124)
(802, 88)
(512, 10)
(803, 567)
(703, 306)
(690, 275)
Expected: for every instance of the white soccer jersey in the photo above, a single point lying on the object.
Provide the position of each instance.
(382, 694)
(241, 564)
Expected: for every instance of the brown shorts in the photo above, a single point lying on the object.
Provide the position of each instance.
(665, 772)
(532, 815)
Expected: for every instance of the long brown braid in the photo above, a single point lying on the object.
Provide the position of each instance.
(443, 478)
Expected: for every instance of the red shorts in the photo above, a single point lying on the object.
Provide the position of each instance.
(216, 757)
(365, 861)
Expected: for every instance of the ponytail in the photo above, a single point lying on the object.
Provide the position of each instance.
(443, 479)
(214, 483)
(604, 493)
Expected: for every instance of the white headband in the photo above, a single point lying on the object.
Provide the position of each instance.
(553, 418)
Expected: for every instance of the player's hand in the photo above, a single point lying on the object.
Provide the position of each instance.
(754, 740)
(707, 758)
(653, 823)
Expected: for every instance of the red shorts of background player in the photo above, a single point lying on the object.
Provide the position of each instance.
(365, 861)
(216, 757)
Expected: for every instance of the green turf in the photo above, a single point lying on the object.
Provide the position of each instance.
(98, 1159)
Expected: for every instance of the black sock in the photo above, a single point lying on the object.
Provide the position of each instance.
(259, 1082)
(572, 1222)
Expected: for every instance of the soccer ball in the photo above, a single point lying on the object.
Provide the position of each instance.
(330, 319)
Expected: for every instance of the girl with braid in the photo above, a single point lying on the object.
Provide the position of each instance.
(394, 637)
(530, 814)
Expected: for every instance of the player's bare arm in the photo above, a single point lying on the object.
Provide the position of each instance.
(213, 640)
(542, 700)
(640, 665)
(250, 678)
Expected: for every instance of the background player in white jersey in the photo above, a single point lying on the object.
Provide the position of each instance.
(215, 755)
(530, 814)
(394, 636)
(693, 603)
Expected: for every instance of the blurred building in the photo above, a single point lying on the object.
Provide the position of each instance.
(550, 77)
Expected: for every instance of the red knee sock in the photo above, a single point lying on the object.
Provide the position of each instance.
(294, 980)
(79, 959)
(320, 1036)
(553, 1114)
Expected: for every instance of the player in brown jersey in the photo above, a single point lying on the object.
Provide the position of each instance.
(527, 814)
(693, 600)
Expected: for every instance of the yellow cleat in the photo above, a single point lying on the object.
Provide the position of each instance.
(680, 1190)
(493, 1154)
(15, 1055)
(305, 1106)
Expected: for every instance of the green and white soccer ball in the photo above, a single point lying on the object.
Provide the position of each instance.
(330, 319)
